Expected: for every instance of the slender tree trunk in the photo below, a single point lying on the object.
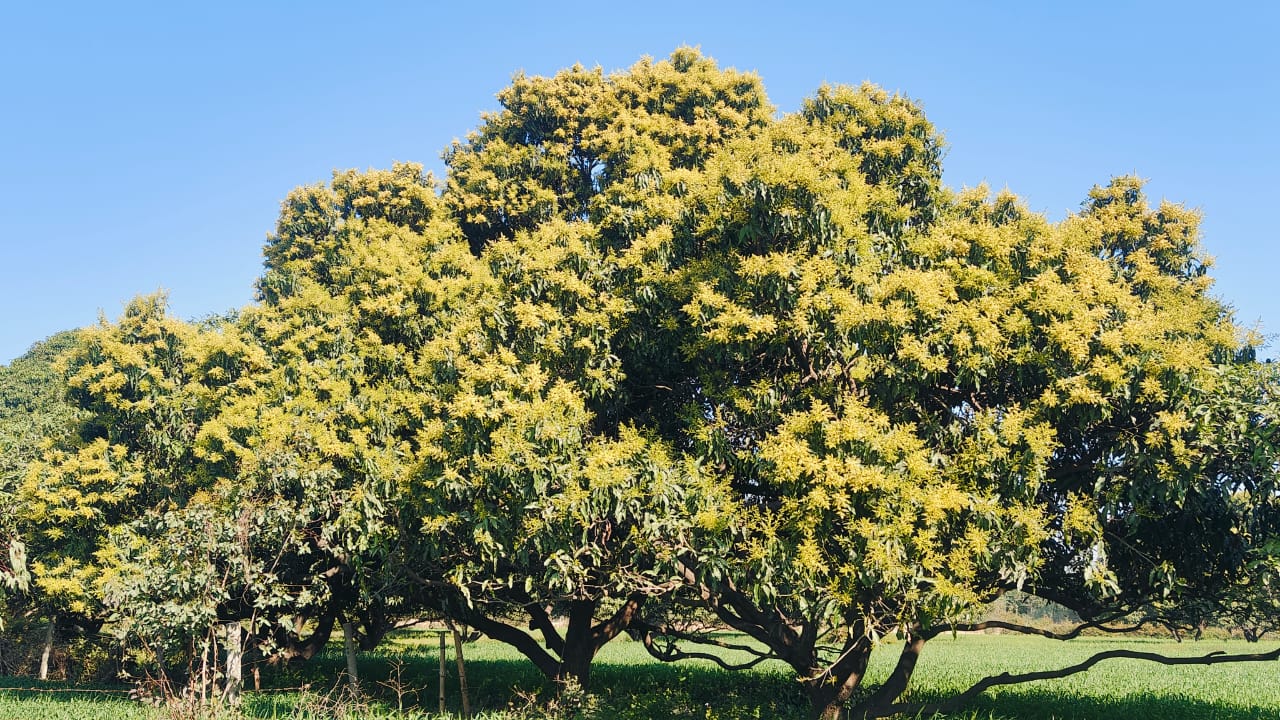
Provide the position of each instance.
(235, 664)
(443, 650)
(47, 652)
(462, 672)
(204, 673)
(253, 660)
(349, 644)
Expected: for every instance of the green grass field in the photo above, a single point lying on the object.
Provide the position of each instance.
(627, 684)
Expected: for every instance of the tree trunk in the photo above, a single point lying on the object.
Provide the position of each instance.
(47, 652)
(829, 687)
(824, 701)
(897, 682)
(579, 644)
(442, 672)
(204, 673)
(235, 664)
(830, 711)
(349, 644)
(462, 670)
(293, 648)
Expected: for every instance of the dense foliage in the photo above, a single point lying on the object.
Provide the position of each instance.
(656, 359)
(32, 411)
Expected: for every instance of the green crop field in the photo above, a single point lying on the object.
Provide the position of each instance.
(627, 684)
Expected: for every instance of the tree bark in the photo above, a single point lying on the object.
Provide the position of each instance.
(47, 652)
(897, 681)
(235, 664)
(443, 650)
(462, 671)
(829, 688)
(830, 711)
(349, 645)
(579, 645)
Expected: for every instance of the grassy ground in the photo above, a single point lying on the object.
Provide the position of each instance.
(627, 684)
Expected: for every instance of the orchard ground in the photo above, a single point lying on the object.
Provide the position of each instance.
(627, 684)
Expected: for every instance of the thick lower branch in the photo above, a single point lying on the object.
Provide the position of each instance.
(736, 610)
(671, 653)
(897, 681)
(619, 621)
(540, 620)
(500, 631)
(516, 638)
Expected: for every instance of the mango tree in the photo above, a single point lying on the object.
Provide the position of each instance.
(33, 408)
(928, 399)
(549, 484)
(449, 393)
(920, 398)
(142, 389)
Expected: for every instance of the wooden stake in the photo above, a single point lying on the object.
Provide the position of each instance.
(235, 664)
(442, 672)
(349, 644)
(204, 672)
(48, 649)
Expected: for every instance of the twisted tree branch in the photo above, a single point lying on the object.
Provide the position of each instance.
(954, 703)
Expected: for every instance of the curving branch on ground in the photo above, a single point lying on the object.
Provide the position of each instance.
(958, 701)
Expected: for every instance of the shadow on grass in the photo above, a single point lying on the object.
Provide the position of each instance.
(25, 688)
(620, 690)
(657, 691)
(624, 691)
(35, 700)
(1044, 705)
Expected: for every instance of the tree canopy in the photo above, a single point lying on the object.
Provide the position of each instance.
(32, 410)
(652, 353)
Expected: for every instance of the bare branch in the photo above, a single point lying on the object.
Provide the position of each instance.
(649, 630)
(669, 652)
(672, 653)
(1099, 624)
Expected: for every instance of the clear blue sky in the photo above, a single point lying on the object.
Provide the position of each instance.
(147, 146)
